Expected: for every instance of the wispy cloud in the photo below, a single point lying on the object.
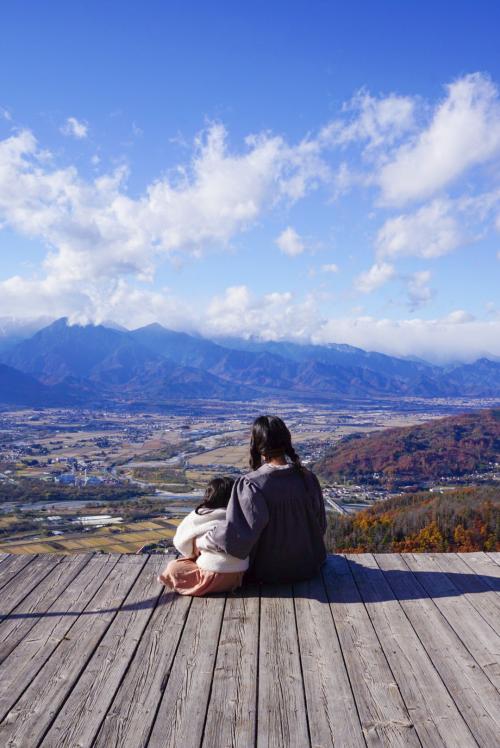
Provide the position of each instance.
(432, 231)
(419, 292)
(374, 121)
(375, 277)
(75, 128)
(290, 242)
(330, 268)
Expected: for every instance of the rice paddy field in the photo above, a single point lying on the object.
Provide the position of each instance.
(128, 538)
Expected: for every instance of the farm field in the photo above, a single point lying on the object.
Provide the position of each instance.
(128, 539)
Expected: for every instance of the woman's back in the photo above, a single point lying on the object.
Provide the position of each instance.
(276, 514)
(290, 546)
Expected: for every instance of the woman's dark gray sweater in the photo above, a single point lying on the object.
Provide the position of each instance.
(277, 517)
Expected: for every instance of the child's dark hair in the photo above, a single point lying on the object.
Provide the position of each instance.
(217, 494)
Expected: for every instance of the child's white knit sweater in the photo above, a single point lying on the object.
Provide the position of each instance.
(195, 525)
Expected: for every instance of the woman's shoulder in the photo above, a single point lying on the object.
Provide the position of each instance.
(250, 476)
(266, 473)
(255, 478)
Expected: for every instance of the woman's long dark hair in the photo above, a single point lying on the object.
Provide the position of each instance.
(217, 494)
(271, 438)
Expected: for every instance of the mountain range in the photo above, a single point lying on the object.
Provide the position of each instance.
(98, 364)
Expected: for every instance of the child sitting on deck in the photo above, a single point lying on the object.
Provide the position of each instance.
(210, 571)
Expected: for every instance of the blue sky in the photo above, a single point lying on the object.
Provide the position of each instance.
(318, 171)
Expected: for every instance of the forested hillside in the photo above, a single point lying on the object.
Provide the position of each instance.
(465, 519)
(451, 446)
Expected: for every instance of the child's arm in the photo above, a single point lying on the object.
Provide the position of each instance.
(184, 537)
(247, 515)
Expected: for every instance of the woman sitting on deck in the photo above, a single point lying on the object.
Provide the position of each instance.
(276, 513)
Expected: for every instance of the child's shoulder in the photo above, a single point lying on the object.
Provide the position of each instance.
(205, 515)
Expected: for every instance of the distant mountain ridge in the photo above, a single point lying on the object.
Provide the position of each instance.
(17, 388)
(451, 446)
(98, 363)
(111, 364)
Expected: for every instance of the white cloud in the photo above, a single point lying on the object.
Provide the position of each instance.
(330, 268)
(75, 128)
(5, 114)
(95, 230)
(273, 316)
(432, 231)
(376, 121)
(458, 317)
(375, 277)
(464, 132)
(290, 242)
(419, 292)
(457, 336)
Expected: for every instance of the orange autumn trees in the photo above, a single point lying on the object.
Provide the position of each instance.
(465, 519)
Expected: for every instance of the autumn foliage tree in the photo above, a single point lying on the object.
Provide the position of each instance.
(465, 519)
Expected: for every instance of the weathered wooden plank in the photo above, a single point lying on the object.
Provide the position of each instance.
(231, 717)
(3, 556)
(475, 696)
(281, 716)
(333, 716)
(25, 581)
(495, 555)
(477, 635)
(32, 714)
(477, 592)
(79, 719)
(23, 617)
(182, 711)
(13, 565)
(437, 720)
(23, 663)
(484, 567)
(130, 717)
(384, 717)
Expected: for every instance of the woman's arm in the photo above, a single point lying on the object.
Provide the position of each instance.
(246, 517)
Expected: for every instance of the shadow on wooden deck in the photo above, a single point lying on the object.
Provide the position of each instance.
(456, 583)
(396, 650)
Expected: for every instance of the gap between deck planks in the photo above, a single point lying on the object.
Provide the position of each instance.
(382, 650)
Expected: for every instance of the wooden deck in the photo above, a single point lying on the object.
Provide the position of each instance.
(386, 650)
